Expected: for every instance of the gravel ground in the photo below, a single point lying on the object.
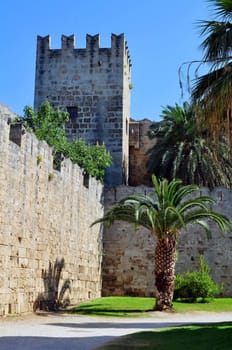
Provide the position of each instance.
(63, 331)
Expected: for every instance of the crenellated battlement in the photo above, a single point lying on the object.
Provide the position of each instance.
(43, 43)
(118, 45)
(68, 42)
(93, 42)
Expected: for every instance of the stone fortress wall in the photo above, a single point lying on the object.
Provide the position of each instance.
(128, 260)
(45, 216)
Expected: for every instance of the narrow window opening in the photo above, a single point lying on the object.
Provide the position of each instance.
(73, 113)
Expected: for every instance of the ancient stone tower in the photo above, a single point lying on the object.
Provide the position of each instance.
(93, 84)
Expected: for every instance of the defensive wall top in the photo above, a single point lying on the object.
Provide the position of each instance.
(118, 43)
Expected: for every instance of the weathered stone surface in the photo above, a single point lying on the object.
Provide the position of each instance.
(139, 144)
(93, 84)
(46, 214)
(128, 260)
(44, 218)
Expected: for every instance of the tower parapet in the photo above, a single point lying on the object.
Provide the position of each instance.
(92, 42)
(118, 44)
(93, 84)
(68, 42)
(43, 43)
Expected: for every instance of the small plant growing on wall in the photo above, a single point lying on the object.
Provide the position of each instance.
(51, 176)
(39, 159)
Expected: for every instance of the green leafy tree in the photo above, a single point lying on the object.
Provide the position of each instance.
(184, 151)
(49, 125)
(213, 91)
(171, 207)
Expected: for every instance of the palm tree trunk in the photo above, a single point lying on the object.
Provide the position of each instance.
(165, 259)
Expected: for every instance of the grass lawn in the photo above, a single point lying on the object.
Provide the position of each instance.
(115, 306)
(197, 337)
(136, 306)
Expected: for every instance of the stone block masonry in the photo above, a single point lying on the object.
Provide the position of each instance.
(128, 260)
(139, 145)
(45, 216)
(93, 85)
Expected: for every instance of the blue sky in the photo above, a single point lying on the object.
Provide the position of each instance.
(161, 35)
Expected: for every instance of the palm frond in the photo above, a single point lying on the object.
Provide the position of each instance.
(178, 159)
(216, 82)
(200, 202)
(206, 228)
(217, 45)
(213, 91)
(172, 189)
(223, 223)
(171, 207)
(182, 192)
(222, 8)
(139, 199)
(173, 216)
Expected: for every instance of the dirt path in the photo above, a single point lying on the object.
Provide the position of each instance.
(62, 331)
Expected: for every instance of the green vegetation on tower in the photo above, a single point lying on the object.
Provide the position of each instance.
(49, 125)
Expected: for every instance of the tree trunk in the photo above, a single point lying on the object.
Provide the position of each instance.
(165, 259)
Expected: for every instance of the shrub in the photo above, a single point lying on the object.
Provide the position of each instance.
(196, 285)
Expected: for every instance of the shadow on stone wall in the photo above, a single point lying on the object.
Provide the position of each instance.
(54, 296)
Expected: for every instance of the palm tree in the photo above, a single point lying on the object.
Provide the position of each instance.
(184, 151)
(171, 208)
(214, 90)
